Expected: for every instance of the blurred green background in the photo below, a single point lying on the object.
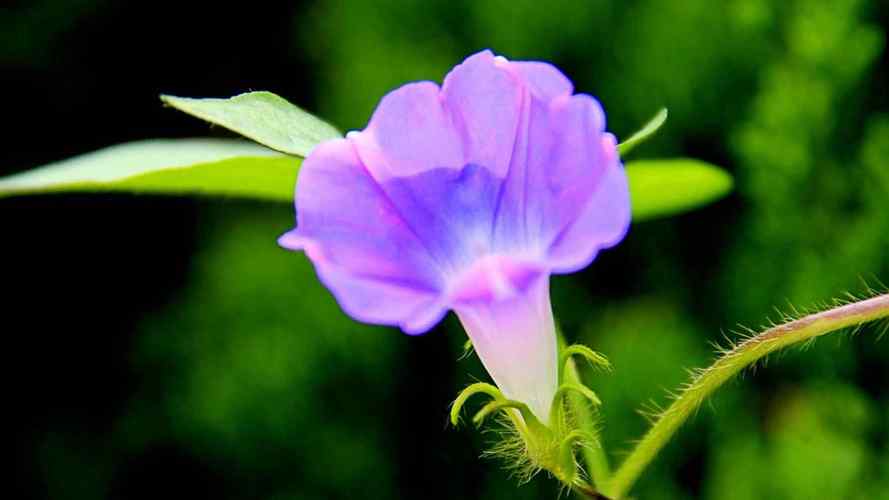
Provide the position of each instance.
(167, 347)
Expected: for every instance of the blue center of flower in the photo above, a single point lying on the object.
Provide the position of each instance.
(452, 211)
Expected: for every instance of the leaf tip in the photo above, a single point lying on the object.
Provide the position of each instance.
(647, 130)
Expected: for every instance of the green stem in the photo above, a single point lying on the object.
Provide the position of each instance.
(587, 491)
(732, 362)
(588, 420)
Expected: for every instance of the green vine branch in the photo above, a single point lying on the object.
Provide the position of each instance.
(733, 361)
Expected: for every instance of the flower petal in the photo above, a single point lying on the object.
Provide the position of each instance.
(410, 132)
(372, 261)
(501, 162)
(544, 80)
(602, 223)
(484, 98)
(555, 195)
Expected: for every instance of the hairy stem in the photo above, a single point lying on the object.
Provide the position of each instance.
(732, 362)
(587, 419)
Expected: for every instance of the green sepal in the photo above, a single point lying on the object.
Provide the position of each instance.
(563, 391)
(535, 426)
(594, 358)
(566, 452)
(472, 390)
(529, 445)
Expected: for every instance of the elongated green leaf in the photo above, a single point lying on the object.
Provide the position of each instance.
(644, 133)
(233, 168)
(262, 116)
(660, 188)
(210, 167)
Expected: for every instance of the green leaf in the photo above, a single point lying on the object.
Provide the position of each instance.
(216, 167)
(660, 188)
(644, 133)
(262, 116)
(235, 168)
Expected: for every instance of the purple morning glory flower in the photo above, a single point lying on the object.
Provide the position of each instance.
(466, 197)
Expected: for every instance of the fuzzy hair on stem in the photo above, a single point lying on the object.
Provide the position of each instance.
(732, 361)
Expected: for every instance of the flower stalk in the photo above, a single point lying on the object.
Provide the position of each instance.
(586, 416)
(741, 356)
